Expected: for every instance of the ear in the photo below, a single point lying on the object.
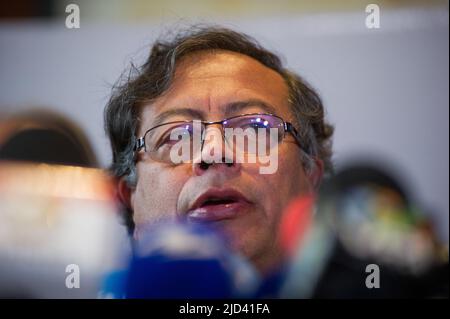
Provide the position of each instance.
(316, 174)
(124, 193)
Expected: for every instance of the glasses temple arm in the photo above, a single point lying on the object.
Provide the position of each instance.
(291, 129)
(138, 144)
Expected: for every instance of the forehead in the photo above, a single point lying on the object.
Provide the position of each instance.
(222, 64)
(209, 82)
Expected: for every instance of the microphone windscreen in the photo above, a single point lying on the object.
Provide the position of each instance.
(181, 260)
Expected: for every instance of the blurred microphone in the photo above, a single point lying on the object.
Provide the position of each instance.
(293, 228)
(185, 260)
(363, 217)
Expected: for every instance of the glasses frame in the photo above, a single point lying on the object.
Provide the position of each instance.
(288, 128)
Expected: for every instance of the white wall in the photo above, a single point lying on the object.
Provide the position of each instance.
(386, 90)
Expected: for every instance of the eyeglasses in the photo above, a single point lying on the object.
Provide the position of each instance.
(244, 132)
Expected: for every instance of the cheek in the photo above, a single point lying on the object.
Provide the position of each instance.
(156, 193)
(288, 182)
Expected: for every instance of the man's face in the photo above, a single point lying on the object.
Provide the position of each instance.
(209, 84)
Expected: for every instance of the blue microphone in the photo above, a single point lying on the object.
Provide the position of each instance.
(187, 260)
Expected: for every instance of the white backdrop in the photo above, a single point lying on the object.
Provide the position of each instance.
(385, 90)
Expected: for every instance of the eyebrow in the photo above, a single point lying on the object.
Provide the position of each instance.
(230, 109)
(239, 106)
(185, 112)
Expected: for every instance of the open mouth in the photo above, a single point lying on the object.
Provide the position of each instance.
(217, 205)
(218, 201)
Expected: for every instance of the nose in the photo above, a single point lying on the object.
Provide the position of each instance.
(215, 154)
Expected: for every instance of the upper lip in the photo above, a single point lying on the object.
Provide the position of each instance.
(218, 194)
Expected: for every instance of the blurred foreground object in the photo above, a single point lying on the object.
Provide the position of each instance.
(54, 218)
(364, 217)
(59, 226)
(178, 260)
(44, 137)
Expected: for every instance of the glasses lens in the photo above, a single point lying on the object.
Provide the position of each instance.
(248, 134)
(255, 133)
(161, 140)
